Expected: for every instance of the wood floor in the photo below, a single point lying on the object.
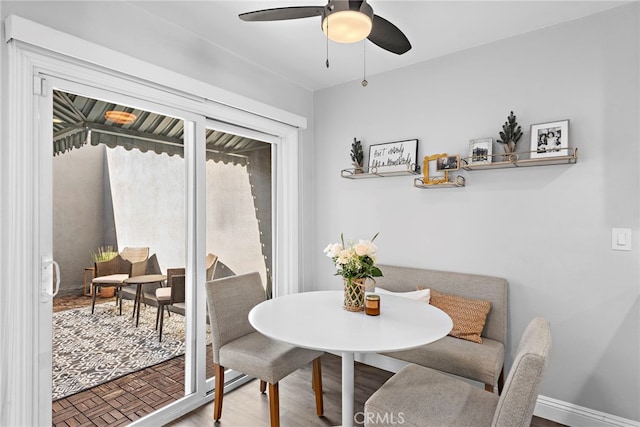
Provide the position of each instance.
(126, 399)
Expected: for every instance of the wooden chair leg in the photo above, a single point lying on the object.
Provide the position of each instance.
(219, 391)
(317, 386)
(263, 386)
(274, 405)
(489, 388)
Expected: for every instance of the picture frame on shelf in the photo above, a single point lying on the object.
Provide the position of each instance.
(480, 151)
(393, 156)
(440, 160)
(550, 139)
(448, 163)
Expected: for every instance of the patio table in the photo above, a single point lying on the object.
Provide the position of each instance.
(139, 281)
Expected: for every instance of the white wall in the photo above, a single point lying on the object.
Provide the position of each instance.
(545, 229)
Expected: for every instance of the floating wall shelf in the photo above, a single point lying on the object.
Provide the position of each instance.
(514, 160)
(458, 181)
(379, 172)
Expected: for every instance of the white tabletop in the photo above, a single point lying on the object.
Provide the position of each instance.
(316, 320)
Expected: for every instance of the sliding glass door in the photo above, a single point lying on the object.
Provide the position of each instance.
(36, 72)
(118, 193)
(239, 208)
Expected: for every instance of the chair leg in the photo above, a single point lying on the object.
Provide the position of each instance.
(501, 381)
(95, 292)
(489, 388)
(161, 322)
(263, 386)
(219, 392)
(158, 314)
(317, 385)
(274, 405)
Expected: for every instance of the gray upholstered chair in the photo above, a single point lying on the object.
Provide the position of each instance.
(425, 397)
(236, 345)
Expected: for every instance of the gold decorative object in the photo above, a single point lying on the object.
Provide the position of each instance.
(452, 160)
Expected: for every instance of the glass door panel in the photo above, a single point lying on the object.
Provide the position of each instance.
(118, 194)
(239, 207)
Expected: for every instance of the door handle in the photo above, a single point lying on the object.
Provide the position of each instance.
(48, 292)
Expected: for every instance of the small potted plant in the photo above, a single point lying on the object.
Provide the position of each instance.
(510, 134)
(357, 156)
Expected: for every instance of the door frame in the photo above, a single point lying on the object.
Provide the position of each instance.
(36, 52)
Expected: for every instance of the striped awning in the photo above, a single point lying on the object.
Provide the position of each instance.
(79, 121)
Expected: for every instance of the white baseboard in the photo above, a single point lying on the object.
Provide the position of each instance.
(546, 407)
(578, 416)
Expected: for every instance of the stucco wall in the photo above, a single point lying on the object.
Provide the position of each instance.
(545, 229)
(78, 212)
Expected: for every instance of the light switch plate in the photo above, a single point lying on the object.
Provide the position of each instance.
(621, 239)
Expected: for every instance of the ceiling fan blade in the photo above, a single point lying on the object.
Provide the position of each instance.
(388, 36)
(282, 13)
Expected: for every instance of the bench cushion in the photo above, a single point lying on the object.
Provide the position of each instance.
(478, 362)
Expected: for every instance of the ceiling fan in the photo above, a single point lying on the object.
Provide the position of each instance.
(342, 21)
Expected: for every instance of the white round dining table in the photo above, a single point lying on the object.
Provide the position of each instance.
(316, 320)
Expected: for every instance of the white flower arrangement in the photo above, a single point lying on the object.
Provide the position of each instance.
(355, 261)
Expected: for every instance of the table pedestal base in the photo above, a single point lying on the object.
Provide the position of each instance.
(347, 389)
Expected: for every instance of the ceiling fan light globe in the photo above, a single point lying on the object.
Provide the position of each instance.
(347, 26)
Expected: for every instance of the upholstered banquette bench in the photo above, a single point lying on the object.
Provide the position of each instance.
(483, 362)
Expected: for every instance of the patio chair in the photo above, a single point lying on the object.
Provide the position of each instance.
(129, 263)
(237, 345)
(174, 294)
(426, 397)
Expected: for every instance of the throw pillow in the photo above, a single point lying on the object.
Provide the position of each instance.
(468, 315)
(420, 295)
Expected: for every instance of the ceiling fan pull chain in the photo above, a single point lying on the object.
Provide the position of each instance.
(364, 81)
(327, 63)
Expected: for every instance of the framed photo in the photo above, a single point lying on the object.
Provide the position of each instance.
(480, 151)
(550, 139)
(448, 163)
(394, 156)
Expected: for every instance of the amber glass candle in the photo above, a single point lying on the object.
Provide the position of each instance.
(372, 305)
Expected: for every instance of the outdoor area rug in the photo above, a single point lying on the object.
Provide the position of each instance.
(91, 349)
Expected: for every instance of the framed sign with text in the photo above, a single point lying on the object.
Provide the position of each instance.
(394, 156)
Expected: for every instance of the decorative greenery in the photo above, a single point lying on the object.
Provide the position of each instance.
(357, 155)
(104, 253)
(511, 132)
(355, 261)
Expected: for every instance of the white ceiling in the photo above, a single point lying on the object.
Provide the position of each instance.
(296, 49)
